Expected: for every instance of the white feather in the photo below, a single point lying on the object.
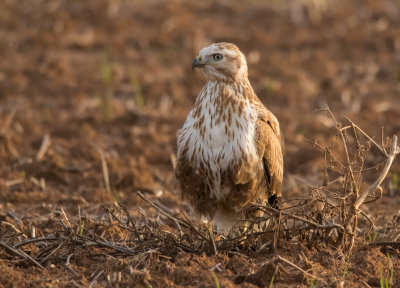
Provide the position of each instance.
(215, 141)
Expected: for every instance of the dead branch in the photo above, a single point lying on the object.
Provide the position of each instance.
(51, 253)
(297, 267)
(20, 253)
(94, 281)
(33, 240)
(293, 216)
(123, 207)
(384, 243)
(107, 245)
(394, 150)
(66, 265)
(326, 150)
(382, 149)
(176, 221)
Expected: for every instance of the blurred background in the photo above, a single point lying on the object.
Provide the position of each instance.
(95, 80)
(93, 92)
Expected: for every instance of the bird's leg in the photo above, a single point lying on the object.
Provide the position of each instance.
(243, 231)
(210, 229)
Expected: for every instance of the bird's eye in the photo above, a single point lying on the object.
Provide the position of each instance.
(217, 57)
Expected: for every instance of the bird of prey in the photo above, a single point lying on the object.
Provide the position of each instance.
(229, 152)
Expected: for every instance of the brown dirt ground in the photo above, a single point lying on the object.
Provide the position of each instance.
(114, 78)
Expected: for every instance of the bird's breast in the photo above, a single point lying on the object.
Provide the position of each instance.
(219, 138)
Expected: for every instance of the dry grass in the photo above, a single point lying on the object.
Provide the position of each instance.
(327, 214)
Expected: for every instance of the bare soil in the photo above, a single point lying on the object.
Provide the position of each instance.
(93, 92)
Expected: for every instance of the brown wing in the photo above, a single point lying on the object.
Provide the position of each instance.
(267, 184)
(269, 148)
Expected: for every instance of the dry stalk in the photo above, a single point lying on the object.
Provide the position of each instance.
(178, 222)
(384, 243)
(7, 123)
(94, 281)
(52, 252)
(14, 228)
(297, 217)
(66, 265)
(381, 148)
(44, 146)
(20, 253)
(65, 217)
(298, 268)
(104, 167)
(34, 240)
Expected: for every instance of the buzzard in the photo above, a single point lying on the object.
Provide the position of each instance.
(229, 151)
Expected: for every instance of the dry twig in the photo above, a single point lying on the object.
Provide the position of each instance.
(7, 123)
(104, 167)
(384, 243)
(20, 253)
(297, 267)
(66, 265)
(44, 146)
(178, 222)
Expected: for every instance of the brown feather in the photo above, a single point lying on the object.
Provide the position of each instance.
(229, 151)
(269, 147)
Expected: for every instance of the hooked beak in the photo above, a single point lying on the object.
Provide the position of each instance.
(197, 62)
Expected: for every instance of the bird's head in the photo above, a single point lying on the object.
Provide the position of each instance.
(222, 61)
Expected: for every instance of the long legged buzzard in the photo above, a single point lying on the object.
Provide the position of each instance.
(229, 151)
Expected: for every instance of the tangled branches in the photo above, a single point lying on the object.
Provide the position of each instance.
(345, 194)
(327, 213)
